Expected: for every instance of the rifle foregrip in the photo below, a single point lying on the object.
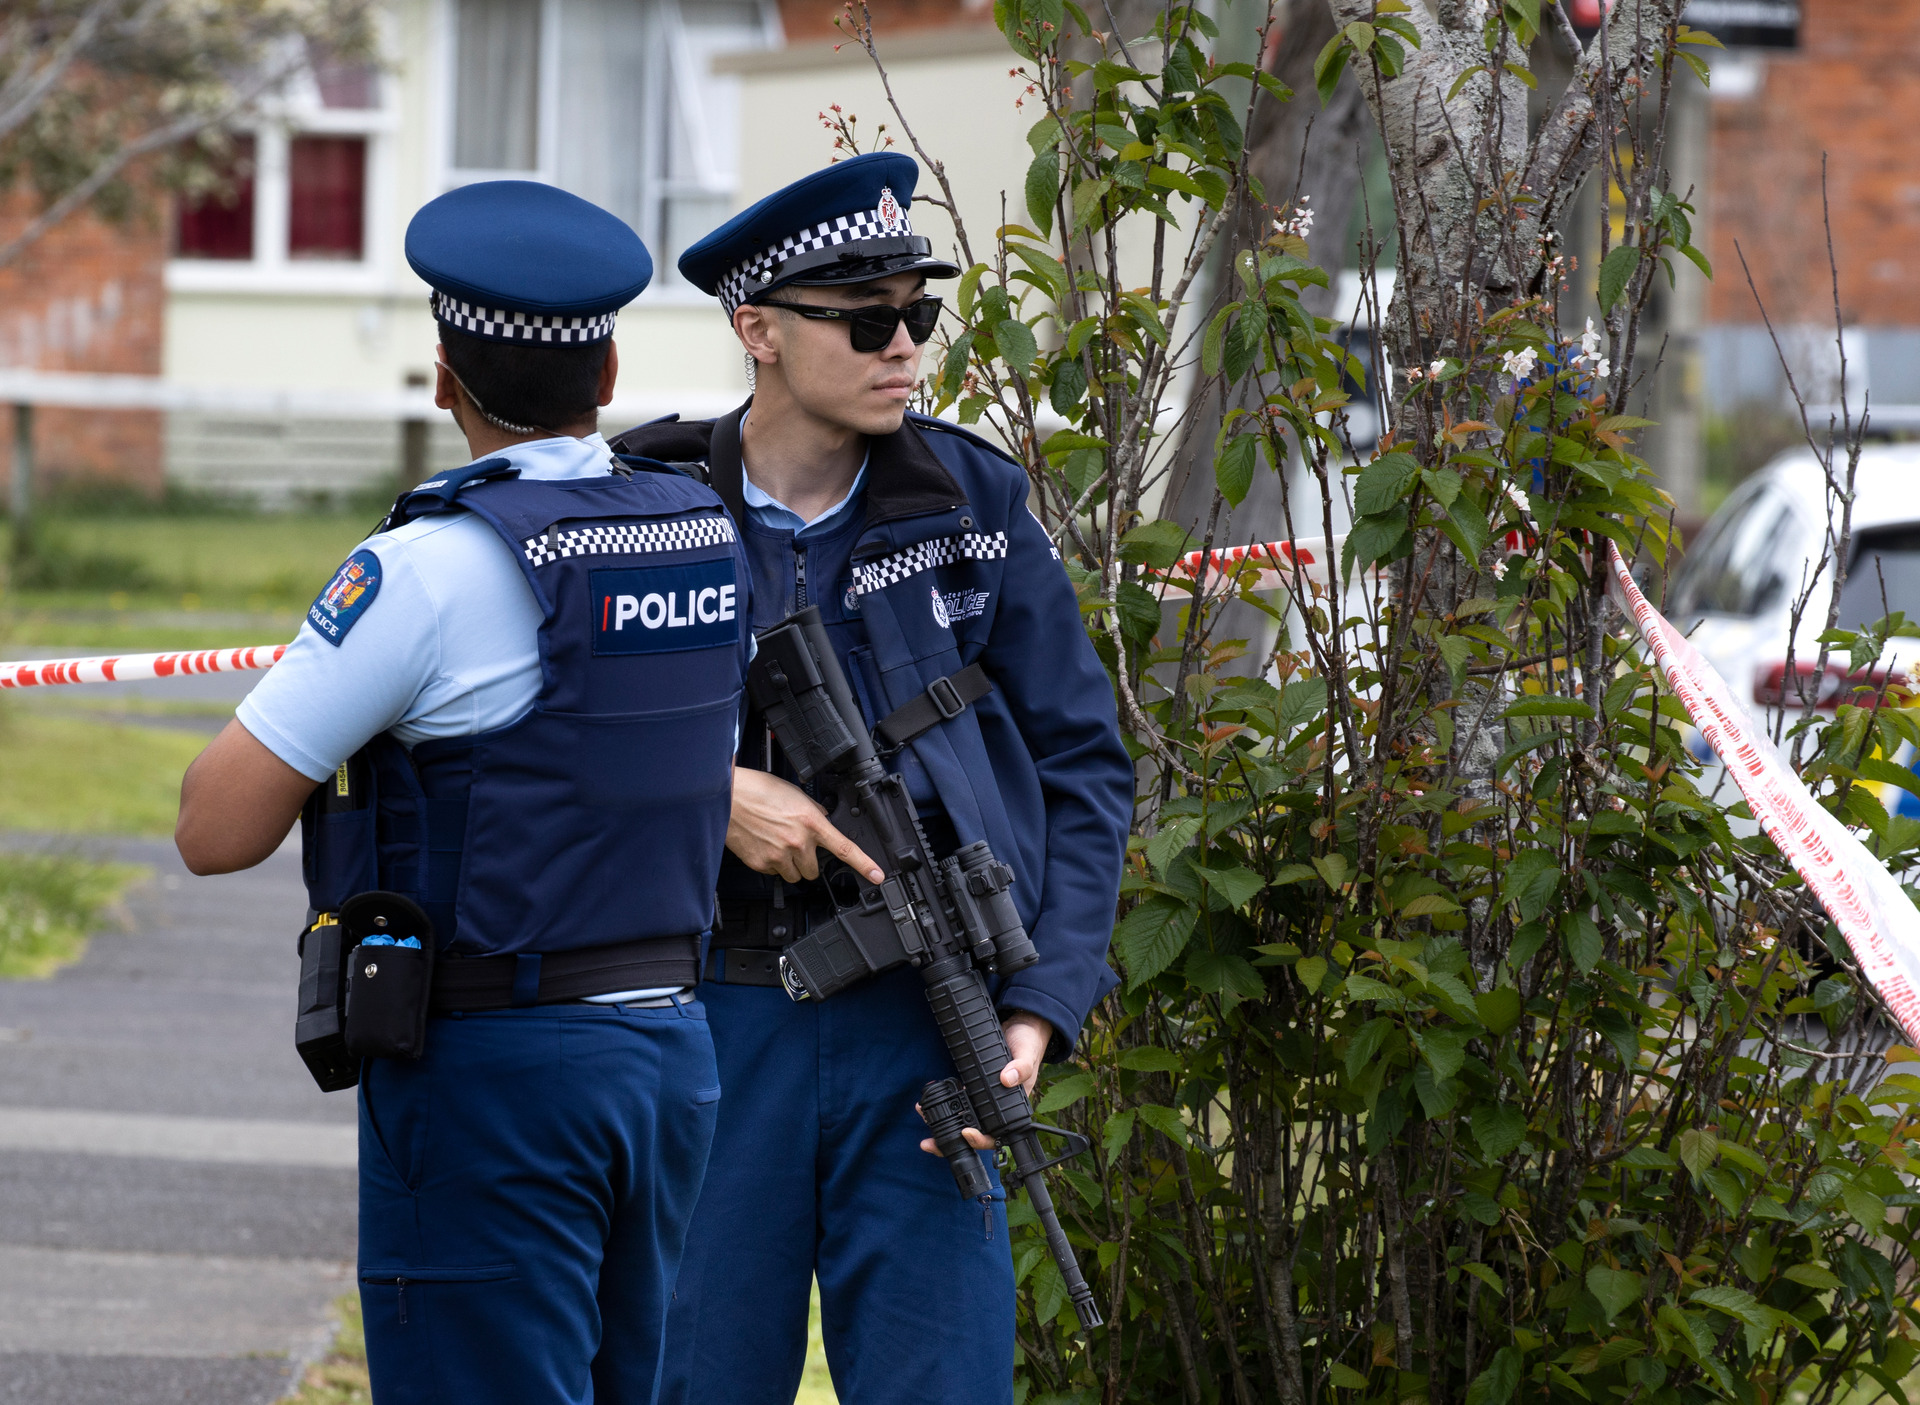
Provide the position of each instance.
(963, 1009)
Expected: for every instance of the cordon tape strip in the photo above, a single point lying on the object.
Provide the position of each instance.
(1873, 912)
(128, 668)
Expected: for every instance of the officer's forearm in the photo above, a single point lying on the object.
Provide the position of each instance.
(237, 802)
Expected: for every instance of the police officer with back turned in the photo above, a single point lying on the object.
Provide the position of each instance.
(955, 621)
(520, 701)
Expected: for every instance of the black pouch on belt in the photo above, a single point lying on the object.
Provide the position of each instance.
(317, 1033)
(389, 976)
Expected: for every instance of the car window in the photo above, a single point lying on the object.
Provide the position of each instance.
(1739, 567)
(1885, 556)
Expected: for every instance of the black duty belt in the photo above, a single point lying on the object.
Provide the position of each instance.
(471, 984)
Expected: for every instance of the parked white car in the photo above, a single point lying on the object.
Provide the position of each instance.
(1735, 591)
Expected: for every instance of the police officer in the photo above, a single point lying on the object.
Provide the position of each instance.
(938, 589)
(520, 699)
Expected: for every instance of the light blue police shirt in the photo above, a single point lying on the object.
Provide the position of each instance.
(449, 646)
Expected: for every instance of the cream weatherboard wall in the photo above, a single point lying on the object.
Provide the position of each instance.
(724, 115)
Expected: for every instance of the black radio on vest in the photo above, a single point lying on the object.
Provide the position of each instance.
(951, 918)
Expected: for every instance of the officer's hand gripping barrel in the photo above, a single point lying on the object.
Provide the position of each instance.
(951, 918)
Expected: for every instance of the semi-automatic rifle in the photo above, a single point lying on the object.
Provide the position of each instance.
(953, 919)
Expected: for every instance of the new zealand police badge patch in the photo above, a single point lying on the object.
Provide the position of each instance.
(346, 597)
(940, 610)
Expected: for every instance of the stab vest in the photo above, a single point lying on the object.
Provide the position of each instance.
(599, 816)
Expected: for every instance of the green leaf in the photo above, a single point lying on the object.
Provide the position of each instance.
(1118, 1129)
(1087, 197)
(1530, 881)
(1069, 385)
(1384, 482)
(1238, 885)
(1149, 1059)
(1218, 973)
(1233, 469)
(1374, 539)
(1158, 544)
(1812, 1276)
(1699, 1149)
(1444, 1047)
(1302, 701)
(1044, 135)
(1737, 1303)
(1539, 705)
(1327, 68)
(1149, 938)
(1165, 1120)
(1333, 870)
(1017, 347)
(1453, 89)
(955, 369)
(1043, 188)
(1065, 1092)
(1617, 1289)
(1498, 1128)
(1499, 1008)
(1311, 971)
(1429, 905)
(1615, 271)
(1486, 1276)
(1868, 1209)
(1139, 612)
(1345, 1376)
(1365, 1043)
(1496, 1384)
(1583, 943)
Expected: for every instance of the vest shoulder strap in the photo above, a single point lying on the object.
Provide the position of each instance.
(437, 494)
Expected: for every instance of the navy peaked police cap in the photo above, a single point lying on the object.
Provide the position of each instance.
(845, 224)
(522, 261)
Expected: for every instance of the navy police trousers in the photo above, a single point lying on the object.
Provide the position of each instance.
(817, 1170)
(524, 1194)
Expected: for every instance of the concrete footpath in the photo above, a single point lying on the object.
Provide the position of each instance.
(176, 1197)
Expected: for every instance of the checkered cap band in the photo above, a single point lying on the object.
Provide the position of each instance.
(496, 325)
(842, 229)
(631, 539)
(924, 556)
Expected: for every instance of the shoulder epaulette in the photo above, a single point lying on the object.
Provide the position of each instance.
(437, 493)
(960, 432)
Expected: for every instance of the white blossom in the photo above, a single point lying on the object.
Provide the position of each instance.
(1589, 342)
(1436, 368)
(1299, 222)
(1500, 569)
(1518, 499)
(1913, 675)
(1603, 370)
(1519, 364)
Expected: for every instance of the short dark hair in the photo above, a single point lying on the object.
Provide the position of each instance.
(546, 387)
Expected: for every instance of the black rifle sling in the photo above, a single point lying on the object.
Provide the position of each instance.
(726, 470)
(945, 699)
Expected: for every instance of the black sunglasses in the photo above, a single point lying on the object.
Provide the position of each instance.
(872, 328)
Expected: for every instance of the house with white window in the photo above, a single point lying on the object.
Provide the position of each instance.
(671, 113)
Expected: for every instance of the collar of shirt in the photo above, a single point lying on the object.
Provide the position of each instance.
(769, 512)
(561, 457)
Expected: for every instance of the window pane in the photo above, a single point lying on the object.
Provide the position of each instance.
(1889, 557)
(328, 181)
(496, 106)
(220, 225)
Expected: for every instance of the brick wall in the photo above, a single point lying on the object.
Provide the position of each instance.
(1852, 91)
(808, 21)
(88, 296)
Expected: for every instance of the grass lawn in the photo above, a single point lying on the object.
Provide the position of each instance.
(71, 776)
(49, 904)
(340, 1378)
(173, 582)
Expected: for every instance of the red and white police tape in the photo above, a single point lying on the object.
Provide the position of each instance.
(1874, 914)
(1872, 911)
(127, 668)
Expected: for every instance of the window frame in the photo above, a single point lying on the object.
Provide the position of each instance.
(674, 64)
(297, 112)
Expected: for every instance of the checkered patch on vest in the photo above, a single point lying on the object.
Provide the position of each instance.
(630, 539)
(924, 556)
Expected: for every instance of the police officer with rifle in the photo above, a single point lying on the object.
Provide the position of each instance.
(507, 727)
(946, 737)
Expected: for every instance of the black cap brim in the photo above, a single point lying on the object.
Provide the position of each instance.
(857, 261)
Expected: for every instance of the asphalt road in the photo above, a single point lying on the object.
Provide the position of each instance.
(176, 1198)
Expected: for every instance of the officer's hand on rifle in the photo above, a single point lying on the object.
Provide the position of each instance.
(775, 827)
(1027, 1039)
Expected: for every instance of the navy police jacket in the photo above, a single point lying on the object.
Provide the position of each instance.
(599, 816)
(946, 567)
